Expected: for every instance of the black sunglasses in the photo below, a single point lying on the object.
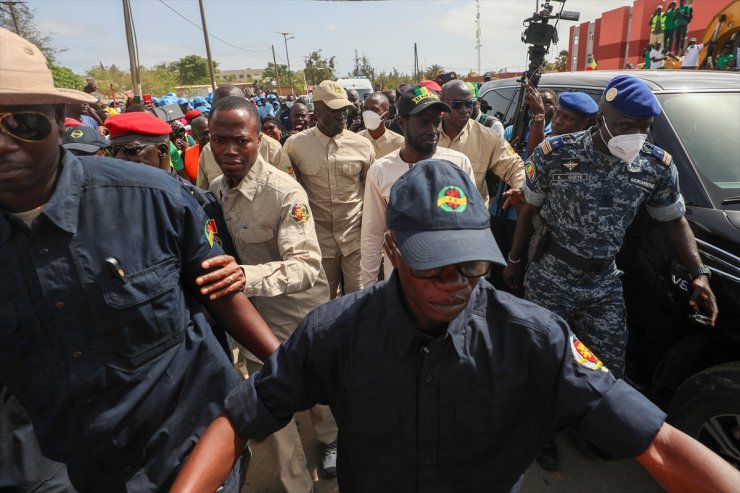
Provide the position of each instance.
(26, 126)
(472, 269)
(456, 104)
(128, 150)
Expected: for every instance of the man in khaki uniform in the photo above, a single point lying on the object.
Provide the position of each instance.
(486, 150)
(384, 141)
(270, 149)
(331, 163)
(268, 216)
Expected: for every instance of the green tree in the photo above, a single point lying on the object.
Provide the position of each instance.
(19, 18)
(270, 75)
(319, 68)
(158, 80)
(64, 77)
(433, 71)
(363, 68)
(192, 69)
(110, 78)
(560, 64)
(385, 81)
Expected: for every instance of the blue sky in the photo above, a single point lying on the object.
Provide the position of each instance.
(92, 31)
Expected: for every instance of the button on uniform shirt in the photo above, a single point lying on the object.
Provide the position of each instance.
(119, 370)
(387, 143)
(270, 221)
(380, 178)
(589, 199)
(332, 171)
(487, 151)
(270, 150)
(469, 409)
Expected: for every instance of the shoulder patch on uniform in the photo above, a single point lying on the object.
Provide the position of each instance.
(300, 213)
(529, 167)
(584, 356)
(552, 144)
(210, 230)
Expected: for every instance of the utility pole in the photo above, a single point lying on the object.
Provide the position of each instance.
(133, 59)
(290, 76)
(277, 70)
(416, 64)
(477, 32)
(12, 14)
(208, 44)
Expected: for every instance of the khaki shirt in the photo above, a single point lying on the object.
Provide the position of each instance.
(487, 151)
(380, 178)
(332, 170)
(270, 150)
(270, 221)
(387, 143)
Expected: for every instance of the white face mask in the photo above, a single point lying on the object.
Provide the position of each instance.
(625, 147)
(289, 104)
(371, 119)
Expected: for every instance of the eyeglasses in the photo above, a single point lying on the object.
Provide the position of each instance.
(127, 150)
(471, 270)
(26, 126)
(456, 104)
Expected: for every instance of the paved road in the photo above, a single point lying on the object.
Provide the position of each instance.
(577, 474)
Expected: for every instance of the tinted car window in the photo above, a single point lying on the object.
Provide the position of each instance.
(503, 102)
(707, 125)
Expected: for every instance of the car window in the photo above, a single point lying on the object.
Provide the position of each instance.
(503, 102)
(708, 127)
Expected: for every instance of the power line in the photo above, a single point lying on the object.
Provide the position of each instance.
(210, 35)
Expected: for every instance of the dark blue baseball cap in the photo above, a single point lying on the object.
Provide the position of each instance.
(578, 102)
(631, 97)
(439, 218)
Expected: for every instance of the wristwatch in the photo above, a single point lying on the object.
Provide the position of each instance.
(701, 271)
(539, 118)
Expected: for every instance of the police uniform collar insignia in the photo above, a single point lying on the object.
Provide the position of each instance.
(570, 164)
(452, 199)
(300, 213)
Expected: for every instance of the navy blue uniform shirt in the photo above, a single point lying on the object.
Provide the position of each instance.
(120, 373)
(467, 411)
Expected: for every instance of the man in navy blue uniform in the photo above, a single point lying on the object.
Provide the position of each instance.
(437, 381)
(102, 338)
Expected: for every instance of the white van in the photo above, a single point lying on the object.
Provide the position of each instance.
(362, 86)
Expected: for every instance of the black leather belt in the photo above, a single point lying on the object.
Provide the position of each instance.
(581, 263)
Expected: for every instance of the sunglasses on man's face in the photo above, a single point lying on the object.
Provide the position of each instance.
(456, 104)
(26, 126)
(128, 150)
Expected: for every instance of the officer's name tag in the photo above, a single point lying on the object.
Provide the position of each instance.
(570, 177)
(643, 184)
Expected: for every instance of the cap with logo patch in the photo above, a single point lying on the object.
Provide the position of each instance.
(439, 218)
(417, 99)
(83, 138)
(331, 94)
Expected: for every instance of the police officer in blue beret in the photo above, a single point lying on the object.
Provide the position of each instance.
(583, 190)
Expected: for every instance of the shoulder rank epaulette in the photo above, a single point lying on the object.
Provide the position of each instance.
(552, 144)
(658, 153)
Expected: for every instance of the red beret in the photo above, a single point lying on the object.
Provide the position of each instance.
(71, 122)
(138, 122)
(430, 84)
(192, 115)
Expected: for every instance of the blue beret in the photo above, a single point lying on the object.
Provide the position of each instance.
(578, 102)
(631, 97)
(199, 99)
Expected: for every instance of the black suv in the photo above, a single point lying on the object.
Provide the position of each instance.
(689, 369)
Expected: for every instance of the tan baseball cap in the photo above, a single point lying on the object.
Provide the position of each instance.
(332, 94)
(25, 79)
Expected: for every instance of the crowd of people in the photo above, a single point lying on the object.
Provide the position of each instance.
(668, 47)
(181, 276)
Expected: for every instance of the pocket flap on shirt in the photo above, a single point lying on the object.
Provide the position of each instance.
(352, 169)
(142, 286)
(256, 235)
(309, 168)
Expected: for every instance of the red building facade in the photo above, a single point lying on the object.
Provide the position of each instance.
(619, 36)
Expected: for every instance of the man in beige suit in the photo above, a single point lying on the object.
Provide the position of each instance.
(270, 221)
